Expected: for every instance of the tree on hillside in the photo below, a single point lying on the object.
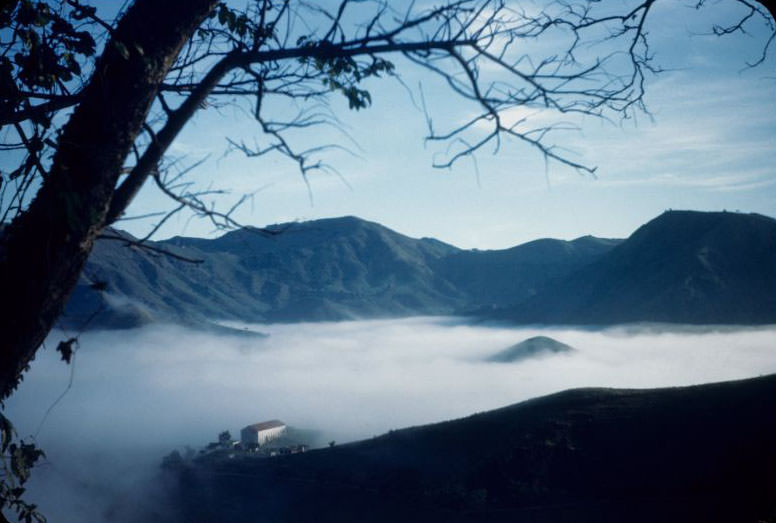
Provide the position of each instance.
(89, 106)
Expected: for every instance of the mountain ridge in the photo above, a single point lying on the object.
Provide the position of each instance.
(681, 267)
(332, 269)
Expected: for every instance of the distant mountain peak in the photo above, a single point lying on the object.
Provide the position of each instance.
(697, 218)
(681, 267)
(336, 222)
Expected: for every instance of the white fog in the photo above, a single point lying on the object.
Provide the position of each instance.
(138, 394)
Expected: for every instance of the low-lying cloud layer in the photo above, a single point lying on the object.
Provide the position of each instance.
(138, 394)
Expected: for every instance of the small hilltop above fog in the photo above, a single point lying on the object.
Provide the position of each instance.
(531, 348)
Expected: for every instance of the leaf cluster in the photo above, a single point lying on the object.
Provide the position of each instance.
(47, 50)
(343, 74)
(235, 21)
(242, 26)
(49, 47)
(18, 459)
(66, 350)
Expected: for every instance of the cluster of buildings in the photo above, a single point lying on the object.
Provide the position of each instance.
(259, 436)
(263, 439)
(261, 433)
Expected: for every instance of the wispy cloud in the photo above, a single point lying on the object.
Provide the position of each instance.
(727, 182)
(724, 140)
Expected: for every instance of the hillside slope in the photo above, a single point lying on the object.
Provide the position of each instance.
(331, 269)
(681, 267)
(686, 454)
(509, 276)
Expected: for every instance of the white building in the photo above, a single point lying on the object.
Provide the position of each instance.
(261, 433)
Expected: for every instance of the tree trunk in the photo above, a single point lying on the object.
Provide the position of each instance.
(44, 250)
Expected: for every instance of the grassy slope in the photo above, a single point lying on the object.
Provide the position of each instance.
(705, 453)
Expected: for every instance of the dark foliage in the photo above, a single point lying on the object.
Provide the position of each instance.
(18, 459)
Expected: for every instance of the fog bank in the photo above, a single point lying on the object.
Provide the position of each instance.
(138, 394)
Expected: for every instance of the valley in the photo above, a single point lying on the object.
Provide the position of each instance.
(354, 332)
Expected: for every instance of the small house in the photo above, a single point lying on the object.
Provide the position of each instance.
(261, 433)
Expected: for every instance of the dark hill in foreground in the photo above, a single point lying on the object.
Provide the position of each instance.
(681, 267)
(690, 454)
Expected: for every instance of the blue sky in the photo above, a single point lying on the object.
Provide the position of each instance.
(710, 145)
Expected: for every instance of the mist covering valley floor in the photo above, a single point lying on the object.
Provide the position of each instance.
(138, 394)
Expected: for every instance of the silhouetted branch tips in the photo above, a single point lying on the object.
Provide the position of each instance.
(595, 64)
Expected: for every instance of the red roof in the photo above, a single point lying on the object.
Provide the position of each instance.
(264, 425)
